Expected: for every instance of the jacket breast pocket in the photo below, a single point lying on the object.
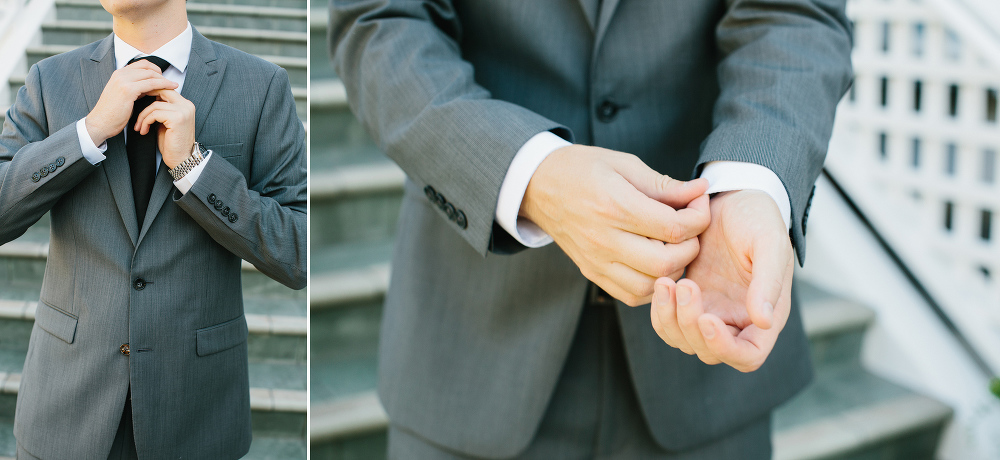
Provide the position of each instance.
(227, 150)
(56, 322)
(221, 337)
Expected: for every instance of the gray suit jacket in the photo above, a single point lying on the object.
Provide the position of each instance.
(185, 324)
(473, 341)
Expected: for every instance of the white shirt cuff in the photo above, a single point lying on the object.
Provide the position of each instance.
(93, 153)
(724, 176)
(515, 183)
(185, 183)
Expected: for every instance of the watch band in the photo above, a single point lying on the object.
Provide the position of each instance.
(198, 154)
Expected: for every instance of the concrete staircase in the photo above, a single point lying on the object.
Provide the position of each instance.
(846, 413)
(276, 315)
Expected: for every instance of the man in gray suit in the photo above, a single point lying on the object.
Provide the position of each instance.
(163, 159)
(522, 123)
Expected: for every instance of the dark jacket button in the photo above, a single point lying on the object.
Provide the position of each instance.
(139, 284)
(44, 171)
(124, 349)
(36, 177)
(60, 161)
(211, 198)
(233, 217)
(52, 168)
(439, 199)
(431, 193)
(607, 111)
(461, 220)
(449, 209)
(219, 205)
(225, 212)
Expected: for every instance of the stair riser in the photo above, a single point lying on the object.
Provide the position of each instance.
(339, 139)
(197, 18)
(368, 446)
(274, 3)
(344, 349)
(839, 348)
(319, 58)
(355, 218)
(55, 35)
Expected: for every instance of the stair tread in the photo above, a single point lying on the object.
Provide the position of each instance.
(50, 49)
(198, 7)
(105, 26)
(368, 177)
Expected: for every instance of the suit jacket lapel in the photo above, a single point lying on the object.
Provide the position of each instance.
(589, 8)
(608, 8)
(202, 80)
(96, 72)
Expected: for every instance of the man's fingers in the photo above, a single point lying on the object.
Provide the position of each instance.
(663, 312)
(731, 348)
(626, 284)
(655, 258)
(689, 309)
(665, 189)
(771, 259)
(150, 86)
(145, 64)
(167, 94)
(647, 217)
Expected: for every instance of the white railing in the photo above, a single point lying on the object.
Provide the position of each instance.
(20, 23)
(917, 146)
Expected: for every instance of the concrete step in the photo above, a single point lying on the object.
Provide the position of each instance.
(318, 45)
(355, 203)
(300, 4)
(202, 15)
(341, 139)
(261, 42)
(278, 418)
(873, 418)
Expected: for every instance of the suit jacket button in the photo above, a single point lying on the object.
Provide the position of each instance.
(607, 111)
(36, 177)
(225, 212)
(211, 198)
(219, 205)
(124, 349)
(139, 284)
(44, 171)
(461, 220)
(233, 217)
(431, 193)
(60, 161)
(439, 199)
(52, 168)
(449, 209)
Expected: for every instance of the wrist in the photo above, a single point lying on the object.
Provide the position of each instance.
(196, 157)
(94, 131)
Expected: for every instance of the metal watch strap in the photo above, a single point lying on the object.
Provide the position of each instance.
(198, 154)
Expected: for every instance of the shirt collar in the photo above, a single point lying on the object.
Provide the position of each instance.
(177, 51)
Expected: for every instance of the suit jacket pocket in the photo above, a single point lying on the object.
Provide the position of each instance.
(56, 322)
(227, 150)
(222, 336)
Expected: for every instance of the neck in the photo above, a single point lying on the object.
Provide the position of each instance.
(148, 30)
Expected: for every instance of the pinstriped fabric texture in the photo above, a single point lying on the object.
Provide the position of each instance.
(473, 341)
(170, 286)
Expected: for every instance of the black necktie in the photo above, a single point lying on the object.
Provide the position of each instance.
(141, 149)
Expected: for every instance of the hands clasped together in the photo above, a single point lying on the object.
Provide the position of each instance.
(633, 232)
(174, 113)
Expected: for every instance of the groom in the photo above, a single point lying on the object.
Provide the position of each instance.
(520, 124)
(163, 159)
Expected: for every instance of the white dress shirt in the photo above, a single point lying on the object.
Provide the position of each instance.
(177, 52)
(723, 176)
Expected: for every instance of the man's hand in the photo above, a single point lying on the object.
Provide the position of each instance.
(737, 293)
(176, 130)
(114, 108)
(622, 223)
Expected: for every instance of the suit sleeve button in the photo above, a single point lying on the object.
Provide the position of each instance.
(461, 220)
(449, 209)
(44, 171)
(233, 217)
(211, 198)
(219, 205)
(60, 161)
(431, 193)
(36, 177)
(225, 211)
(439, 199)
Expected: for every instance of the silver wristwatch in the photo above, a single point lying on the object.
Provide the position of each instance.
(198, 154)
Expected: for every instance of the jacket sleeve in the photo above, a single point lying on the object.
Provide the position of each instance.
(409, 86)
(36, 168)
(785, 64)
(261, 219)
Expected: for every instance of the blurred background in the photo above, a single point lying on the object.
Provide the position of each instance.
(276, 316)
(901, 290)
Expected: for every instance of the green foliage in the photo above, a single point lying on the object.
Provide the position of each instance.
(995, 386)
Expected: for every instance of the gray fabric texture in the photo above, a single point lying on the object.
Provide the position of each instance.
(185, 327)
(472, 340)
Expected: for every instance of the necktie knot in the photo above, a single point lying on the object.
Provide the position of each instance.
(160, 62)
